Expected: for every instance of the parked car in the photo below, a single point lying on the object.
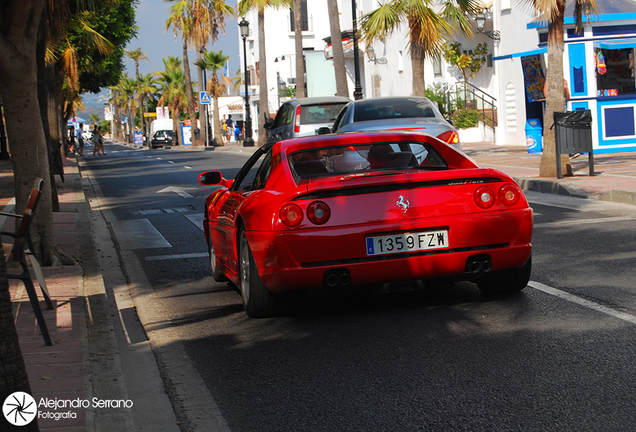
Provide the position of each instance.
(396, 113)
(161, 138)
(364, 208)
(304, 116)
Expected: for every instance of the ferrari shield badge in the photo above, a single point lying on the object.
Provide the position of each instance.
(403, 203)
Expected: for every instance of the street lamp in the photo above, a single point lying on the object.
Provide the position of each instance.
(357, 92)
(480, 22)
(244, 28)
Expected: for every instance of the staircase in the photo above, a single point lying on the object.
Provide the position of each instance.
(464, 95)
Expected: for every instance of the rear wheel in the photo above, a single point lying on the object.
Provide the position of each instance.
(507, 281)
(258, 301)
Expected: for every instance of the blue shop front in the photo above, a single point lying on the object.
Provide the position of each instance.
(599, 68)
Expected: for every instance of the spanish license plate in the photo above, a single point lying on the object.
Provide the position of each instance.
(408, 242)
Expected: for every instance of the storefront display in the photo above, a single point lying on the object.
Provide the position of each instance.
(614, 72)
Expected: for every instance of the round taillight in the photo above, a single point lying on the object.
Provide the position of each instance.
(318, 212)
(509, 194)
(484, 197)
(291, 215)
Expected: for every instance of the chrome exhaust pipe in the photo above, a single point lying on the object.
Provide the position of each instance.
(486, 266)
(331, 280)
(475, 267)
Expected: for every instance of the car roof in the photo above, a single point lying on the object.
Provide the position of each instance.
(389, 99)
(321, 100)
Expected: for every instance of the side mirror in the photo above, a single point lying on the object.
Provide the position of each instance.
(211, 178)
(323, 130)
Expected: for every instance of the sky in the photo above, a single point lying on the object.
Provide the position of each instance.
(157, 43)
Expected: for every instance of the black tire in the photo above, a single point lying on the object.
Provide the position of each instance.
(507, 281)
(257, 300)
(214, 263)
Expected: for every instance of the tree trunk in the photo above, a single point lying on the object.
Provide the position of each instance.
(555, 100)
(25, 130)
(263, 102)
(342, 87)
(417, 61)
(176, 125)
(13, 376)
(189, 93)
(298, 39)
(218, 137)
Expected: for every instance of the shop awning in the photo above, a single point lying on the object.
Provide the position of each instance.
(615, 44)
(522, 54)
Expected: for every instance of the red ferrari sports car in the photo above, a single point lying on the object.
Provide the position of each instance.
(362, 209)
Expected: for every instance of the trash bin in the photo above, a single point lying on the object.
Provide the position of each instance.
(573, 132)
(534, 136)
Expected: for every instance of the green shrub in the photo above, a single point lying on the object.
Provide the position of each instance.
(465, 119)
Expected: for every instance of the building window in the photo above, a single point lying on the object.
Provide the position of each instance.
(303, 16)
(615, 72)
(437, 66)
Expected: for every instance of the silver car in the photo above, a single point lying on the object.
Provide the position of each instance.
(396, 113)
(303, 117)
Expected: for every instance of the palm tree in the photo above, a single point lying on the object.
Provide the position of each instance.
(244, 6)
(129, 92)
(554, 11)
(173, 84)
(428, 30)
(181, 23)
(198, 21)
(136, 55)
(214, 61)
(342, 87)
(94, 118)
(146, 86)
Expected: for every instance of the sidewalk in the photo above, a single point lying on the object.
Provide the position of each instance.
(84, 361)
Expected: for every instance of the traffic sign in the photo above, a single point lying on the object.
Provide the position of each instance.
(204, 97)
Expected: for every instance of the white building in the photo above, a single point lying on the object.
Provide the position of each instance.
(385, 66)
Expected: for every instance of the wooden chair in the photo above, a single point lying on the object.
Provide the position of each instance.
(23, 246)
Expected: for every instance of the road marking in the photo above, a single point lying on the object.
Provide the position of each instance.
(584, 221)
(138, 234)
(170, 161)
(585, 303)
(187, 167)
(181, 256)
(196, 219)
(159, 158)
(179, 191)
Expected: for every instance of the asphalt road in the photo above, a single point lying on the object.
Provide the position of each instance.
(556, 357)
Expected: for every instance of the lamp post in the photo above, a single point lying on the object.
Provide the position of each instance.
(248, 141)
(357, 92)
(480, 22)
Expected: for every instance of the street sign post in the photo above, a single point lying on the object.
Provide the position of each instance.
(204, 97)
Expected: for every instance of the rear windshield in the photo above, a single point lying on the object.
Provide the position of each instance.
(404, 108)
(328, 161)
(324, 113)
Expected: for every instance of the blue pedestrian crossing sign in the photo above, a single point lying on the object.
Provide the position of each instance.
(204, 97)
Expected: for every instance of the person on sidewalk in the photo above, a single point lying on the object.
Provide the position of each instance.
(80, 140)
(230, 127)
(98, 142)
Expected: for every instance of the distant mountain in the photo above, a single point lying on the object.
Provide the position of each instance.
(93, 104)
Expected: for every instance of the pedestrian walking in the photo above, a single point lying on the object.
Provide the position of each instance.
(71, 139)
(230, 126)
(98, 142)
(224, 129)
(80, 140)
(237, 132)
